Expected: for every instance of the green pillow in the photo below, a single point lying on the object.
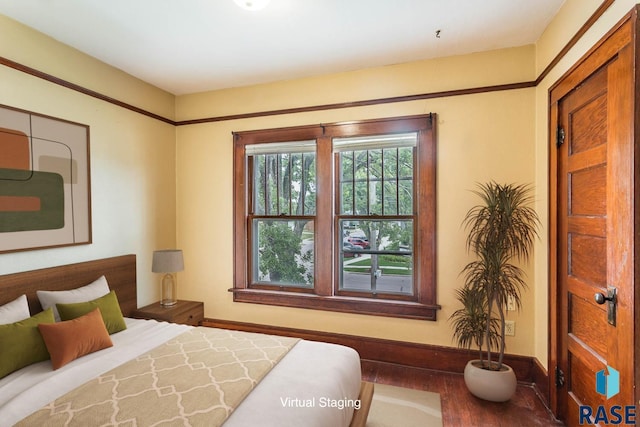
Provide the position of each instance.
(109, 308)
(21, 343)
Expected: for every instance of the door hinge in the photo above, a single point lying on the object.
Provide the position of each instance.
(560, 135)
(559, 377)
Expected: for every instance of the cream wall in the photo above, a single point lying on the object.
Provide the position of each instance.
(450, 73)
(132, 156)
(480, 137)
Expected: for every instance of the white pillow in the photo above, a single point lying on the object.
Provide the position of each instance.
(14, 311)
(93, 290)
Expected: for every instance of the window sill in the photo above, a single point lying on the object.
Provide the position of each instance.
(369, 306)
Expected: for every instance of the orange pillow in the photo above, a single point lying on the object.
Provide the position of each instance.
(71, 339)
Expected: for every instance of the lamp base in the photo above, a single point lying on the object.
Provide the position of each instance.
(168, 291)
(168, 303)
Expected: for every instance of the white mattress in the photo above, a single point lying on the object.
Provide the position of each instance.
(315, 384)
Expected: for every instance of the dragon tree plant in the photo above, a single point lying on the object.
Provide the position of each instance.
(502, 230)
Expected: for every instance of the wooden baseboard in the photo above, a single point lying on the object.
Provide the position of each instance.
(541, 381)
(440, 358)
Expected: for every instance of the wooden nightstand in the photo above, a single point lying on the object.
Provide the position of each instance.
(185, 312)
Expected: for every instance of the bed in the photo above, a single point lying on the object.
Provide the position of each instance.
(161, 373)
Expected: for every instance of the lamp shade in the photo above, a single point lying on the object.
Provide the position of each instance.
(167, 261)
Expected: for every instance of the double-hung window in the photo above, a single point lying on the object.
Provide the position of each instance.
(375, 214)
(338, 217)
(282, 209)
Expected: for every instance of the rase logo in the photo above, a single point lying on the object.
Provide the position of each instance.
(608, 384)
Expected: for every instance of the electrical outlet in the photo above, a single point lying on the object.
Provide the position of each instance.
(511, 304)
(510, 328)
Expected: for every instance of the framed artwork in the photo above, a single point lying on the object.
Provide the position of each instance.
(45, 191)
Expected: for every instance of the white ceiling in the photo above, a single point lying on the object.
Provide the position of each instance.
(186, 46)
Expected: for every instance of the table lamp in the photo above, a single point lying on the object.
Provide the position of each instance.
(168, 261)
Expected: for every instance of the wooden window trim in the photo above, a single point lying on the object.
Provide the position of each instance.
(323, 297)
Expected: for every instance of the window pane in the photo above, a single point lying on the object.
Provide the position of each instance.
(391, 197)
(405, 162)
(309, 173)
(259, 185)
(284, 184)
(377, 256)
(405, 197)
(296, 184)
(346, 166)
(393, 275)
(272, 184)
(376, 181)
(346, 200)
(283, 252)
(390, 163)
(362, 196)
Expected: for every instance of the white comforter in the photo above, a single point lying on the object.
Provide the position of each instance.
(315, 384)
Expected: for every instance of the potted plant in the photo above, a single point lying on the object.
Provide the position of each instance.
(502, 230)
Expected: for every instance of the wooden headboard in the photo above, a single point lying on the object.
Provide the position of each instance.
(120, 272)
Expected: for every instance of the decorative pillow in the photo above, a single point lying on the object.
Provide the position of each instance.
(109, 308)
(21, 343)
(89, 292)
(14, 311)
(71, 339)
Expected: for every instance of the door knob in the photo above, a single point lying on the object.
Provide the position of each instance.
(601, 298)
(610, 299)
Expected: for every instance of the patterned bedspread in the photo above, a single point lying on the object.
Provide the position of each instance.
(196, 379)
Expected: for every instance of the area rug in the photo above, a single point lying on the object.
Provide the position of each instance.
(404, 407)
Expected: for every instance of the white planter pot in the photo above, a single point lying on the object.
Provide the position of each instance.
(495, 386)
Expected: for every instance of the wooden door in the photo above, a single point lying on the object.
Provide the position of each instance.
(592, 306)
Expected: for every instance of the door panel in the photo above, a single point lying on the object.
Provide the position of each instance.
(588, 326)
(589, 125)
(588, 178)
(588, 256)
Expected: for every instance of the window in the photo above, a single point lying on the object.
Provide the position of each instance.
(338, 217)
(281, 213)
(375, 214)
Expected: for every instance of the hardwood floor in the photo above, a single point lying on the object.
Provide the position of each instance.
(459, 407)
